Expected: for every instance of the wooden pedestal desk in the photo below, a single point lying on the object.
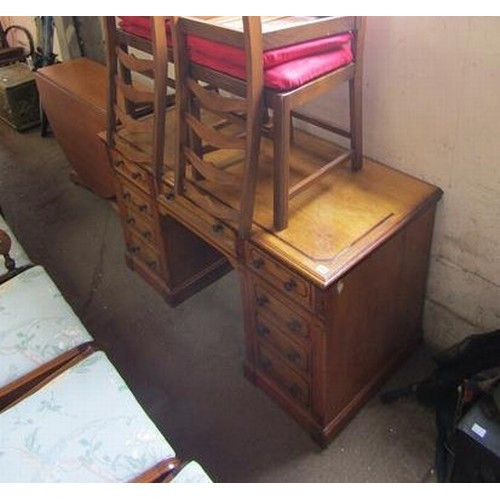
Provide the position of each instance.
(333, 304)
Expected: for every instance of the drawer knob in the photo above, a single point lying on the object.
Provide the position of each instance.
(290, 285)
(293, 356)
(126, 195)
(262, 300)
(262, 331)
(169, 196)
(142, 208)
(130, 220)
(294, 325)
(133, 248)
(136, 175)
(217, 228)
(152, 264)
(147, 235)
(258, 263)
(119, 163)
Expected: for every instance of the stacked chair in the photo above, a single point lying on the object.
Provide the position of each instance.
(275, 64)
(66, 414)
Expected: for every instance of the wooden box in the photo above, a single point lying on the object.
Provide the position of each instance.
(19, 103)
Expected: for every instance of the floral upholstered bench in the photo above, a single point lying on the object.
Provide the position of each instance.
(66, 415)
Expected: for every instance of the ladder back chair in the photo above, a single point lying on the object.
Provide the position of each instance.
(197, 137)
(302, 59)
(127, 97)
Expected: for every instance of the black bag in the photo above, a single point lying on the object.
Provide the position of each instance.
(464, 373)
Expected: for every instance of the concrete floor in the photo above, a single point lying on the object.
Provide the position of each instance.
(184, 364)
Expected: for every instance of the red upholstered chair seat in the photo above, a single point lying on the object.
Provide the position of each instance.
(140, 26)
(285, 68)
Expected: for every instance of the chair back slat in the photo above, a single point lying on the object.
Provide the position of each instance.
(197, 136)
(210, 171)
(134, 63)
(212, 101)
(132, 124)
(134, 94)
(213, 137)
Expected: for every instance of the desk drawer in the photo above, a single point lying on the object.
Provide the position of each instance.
(132, 172)
(296, 355)
(289, 382)
(200, 222)
(143, 252)
(286, 318)
(279, 275)
(141, 226)
(135, 200)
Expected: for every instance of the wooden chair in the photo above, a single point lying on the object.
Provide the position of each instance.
(195, 133)
(8, 54)
(303, 59)
(128, 100)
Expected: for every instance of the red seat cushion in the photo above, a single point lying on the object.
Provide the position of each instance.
(140, 26)
(285, 68)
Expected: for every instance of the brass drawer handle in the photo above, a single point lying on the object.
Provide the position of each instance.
(258, 263)
(217, 228)
(293, 356)
(290, 285)
(294, 325)
(262, 300)
(263, 331)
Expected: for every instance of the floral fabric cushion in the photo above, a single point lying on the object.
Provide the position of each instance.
(83, 426)
(192, 473)
(36, 324)
(16, 252)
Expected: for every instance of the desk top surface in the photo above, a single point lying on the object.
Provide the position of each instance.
(338, 220)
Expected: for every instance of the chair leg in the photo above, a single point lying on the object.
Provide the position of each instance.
(355, 102)
(281, 117)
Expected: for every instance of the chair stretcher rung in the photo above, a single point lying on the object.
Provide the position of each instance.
(304, 183)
